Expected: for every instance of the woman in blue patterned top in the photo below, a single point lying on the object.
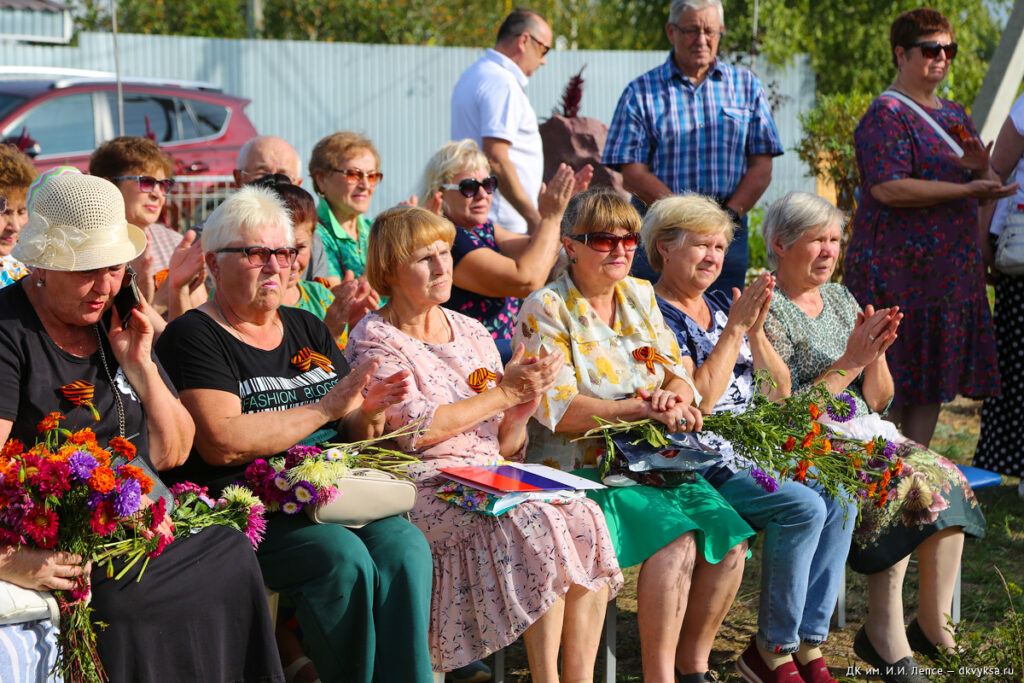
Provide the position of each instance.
(722, 341)
(494, 267)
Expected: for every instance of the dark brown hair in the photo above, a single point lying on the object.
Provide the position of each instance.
(129, 155)
(910, 26)
(16, 172)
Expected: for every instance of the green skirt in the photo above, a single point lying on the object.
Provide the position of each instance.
(642, 519)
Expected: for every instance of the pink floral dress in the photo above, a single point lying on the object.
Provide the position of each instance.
(493, 576)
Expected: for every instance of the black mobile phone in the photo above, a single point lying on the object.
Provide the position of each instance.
(128, 299)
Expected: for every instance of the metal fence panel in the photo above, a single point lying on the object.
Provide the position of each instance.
(397, 95)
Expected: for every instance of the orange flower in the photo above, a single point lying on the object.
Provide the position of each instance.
(869, 447)
(789, 445)
(136, 473)
(815, 428)
(824, 447)
(102, 480)
(82, 437)
(12, 448)
(882, 497)
(856, 462)
(123, 447)
(806, 443)
(801, 470)
(886, 476)
(813, 409)
(51, 421)
(871, 489)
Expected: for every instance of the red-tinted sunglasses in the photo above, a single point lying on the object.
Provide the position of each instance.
(606, 241)
(148, 182)
(931, 49)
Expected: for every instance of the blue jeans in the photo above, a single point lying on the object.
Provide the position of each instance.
(805, 546)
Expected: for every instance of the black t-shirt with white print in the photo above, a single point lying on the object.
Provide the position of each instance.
(200, 354)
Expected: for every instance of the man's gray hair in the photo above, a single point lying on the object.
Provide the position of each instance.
(795, 214)
(679, 6)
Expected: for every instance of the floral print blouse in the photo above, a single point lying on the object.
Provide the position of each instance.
(498, 314)
(599, 359)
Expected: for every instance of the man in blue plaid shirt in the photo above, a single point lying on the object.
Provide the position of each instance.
(696, 124)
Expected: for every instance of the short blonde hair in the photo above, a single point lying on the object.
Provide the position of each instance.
(790, 217)
(395, 235)
(599, 209)
(453, 158)
(671, 219)
(247, 210)
(331, 151)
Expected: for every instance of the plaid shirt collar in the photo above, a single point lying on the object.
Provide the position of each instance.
(670, 70)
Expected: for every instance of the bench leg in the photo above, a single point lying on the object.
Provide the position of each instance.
(609, 641)
(498, 673)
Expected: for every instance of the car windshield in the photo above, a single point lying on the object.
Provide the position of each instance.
(9, 102)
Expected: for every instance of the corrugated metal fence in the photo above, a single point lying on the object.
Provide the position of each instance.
(397, 95)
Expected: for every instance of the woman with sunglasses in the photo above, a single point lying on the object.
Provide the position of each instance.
(915, 241)
(622, 362)
(259, 378)
(494, 267)
(345, 168)
(142, 172)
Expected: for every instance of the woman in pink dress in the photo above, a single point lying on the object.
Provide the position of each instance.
(541, 571)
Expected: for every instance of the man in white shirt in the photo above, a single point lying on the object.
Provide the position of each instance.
(489, 105)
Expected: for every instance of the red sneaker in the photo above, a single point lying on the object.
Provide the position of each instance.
(815, 671)
(753, 669)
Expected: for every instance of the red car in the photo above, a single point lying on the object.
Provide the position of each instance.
(58, 117)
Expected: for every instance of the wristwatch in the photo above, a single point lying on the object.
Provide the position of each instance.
(733, 215)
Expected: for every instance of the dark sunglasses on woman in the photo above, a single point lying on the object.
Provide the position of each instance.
(148, 182)
(470, 186)
(606, 241)
(260, 256)
(931, 49)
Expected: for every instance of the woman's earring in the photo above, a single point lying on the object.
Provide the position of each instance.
(572, 260)
(40, 282)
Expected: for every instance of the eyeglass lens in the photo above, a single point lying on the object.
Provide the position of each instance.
(148, 182)
(931, 49)
(606, 241)
(695, 32)
(470, 186)
(260, 256)
(354, 175)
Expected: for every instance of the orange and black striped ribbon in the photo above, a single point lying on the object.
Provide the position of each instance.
(479, 378)
(648, 355)
(306, 358)
(81, 393)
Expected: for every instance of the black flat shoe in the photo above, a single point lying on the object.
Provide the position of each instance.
(919, 641)
(906, 670)
(696, 678)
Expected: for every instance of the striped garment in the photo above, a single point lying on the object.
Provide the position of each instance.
(694, 138)
(28, 651)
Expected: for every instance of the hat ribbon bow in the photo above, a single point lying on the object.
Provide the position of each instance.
(43, 246)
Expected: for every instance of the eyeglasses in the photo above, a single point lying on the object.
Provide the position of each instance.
(606, 241)
(470, 186)
(544, 49)
(148, 182)
(3, 204)
(260, 256)
(695, 32)
(931, 49)
(354, 175)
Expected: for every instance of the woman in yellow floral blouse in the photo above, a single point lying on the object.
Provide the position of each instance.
(691, 542)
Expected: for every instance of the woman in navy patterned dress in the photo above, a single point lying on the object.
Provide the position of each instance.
(494, 267)
(915, 234)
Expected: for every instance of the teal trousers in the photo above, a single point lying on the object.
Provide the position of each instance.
(362, 596)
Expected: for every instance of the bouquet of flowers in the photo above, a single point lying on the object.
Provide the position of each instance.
(784, 440)
(307, 475)
(76, 496)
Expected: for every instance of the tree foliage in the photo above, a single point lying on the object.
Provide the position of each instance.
(848, 42)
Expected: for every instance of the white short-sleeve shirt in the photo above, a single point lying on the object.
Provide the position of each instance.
(489, 101)
(999, 218)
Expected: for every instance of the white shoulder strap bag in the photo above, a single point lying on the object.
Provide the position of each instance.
(939, 130)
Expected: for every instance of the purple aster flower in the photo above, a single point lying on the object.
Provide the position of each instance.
(305, 493)
(864, 477)
(843, 412)
(290, 507)
(281, 482)
(889, 450)
(95, 498)
(128, 498)
(877, 463)
(81, 464)
(764, 480)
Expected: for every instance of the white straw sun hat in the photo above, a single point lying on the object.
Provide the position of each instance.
(76, 222)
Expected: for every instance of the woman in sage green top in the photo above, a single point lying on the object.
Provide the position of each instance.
(346, 169)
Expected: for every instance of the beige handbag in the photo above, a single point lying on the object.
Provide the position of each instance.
(18, 605)
(365, 495)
